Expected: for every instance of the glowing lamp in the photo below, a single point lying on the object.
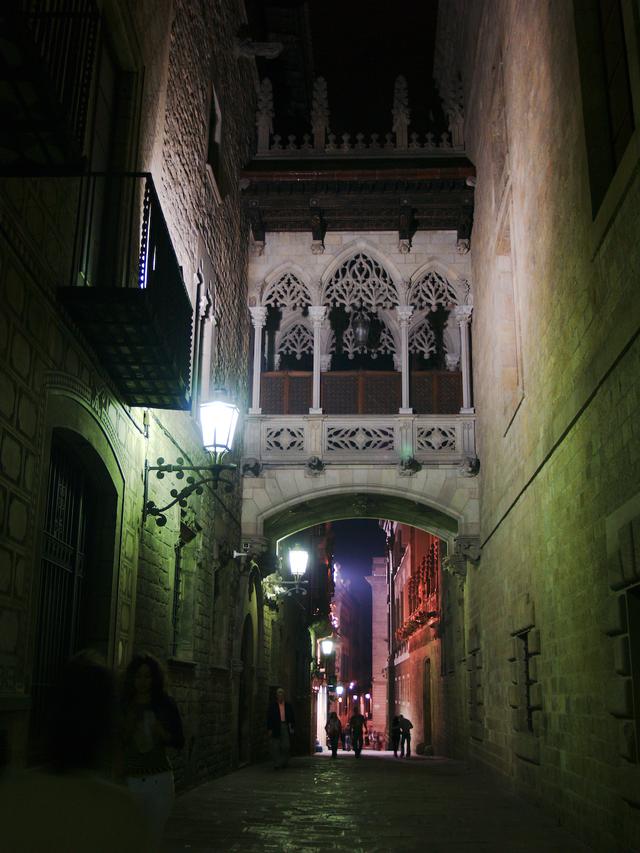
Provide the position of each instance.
(326, 646)
(339, 689)
(218, 420)
(298, 562)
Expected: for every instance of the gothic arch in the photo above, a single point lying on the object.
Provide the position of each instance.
(445, 504)
(375, 254)
(272, 279)
(459, 285)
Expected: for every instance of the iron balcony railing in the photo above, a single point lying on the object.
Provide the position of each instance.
(126, 290)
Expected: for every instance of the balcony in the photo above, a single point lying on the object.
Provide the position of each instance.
(127, 294)
(361, 392)
(287, 440)
(47, 56)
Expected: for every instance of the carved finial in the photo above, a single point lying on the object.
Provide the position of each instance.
(452, 95)
(264, 114)
(320, 113)
(401, 112)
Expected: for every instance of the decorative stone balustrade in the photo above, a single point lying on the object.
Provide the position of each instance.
(281, 440)
(321, 142)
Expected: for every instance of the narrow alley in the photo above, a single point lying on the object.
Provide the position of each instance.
(377, 804)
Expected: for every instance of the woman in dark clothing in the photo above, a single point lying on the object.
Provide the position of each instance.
(395, 735)
(150, 723)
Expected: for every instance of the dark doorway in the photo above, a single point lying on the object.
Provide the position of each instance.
(245, 700)
(76, 574)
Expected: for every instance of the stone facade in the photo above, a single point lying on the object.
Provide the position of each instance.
(551, 607)
(173, 590)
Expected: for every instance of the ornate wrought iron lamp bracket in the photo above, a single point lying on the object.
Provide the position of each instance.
(213, 476)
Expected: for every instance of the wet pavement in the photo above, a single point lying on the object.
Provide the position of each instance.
(376, 804)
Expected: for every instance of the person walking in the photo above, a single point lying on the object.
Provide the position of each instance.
(358, 726)
(405, 736)
(281, 724)
(150, 724)
(334, 731)
(70, 802)
(395, 736)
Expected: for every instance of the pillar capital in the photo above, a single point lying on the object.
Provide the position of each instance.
(317, 313)
(258, 315)
(404, 313)
(463, 313)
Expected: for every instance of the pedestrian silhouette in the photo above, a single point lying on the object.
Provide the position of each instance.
(405, 736)
(334, 731)
(395, 735)
(358, 726)
(150, 723)
(71, 805)
(281, 725)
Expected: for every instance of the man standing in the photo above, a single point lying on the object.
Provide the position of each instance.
(280, 723)
(358, 726)
(405, 736)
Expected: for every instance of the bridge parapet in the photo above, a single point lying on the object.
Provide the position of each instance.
(288, 440)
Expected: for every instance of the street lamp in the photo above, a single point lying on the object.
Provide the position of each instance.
(298, 559)
(326, 646)
(218, 420)
(340, 690)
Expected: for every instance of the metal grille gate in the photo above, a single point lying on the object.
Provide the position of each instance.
(61, 580)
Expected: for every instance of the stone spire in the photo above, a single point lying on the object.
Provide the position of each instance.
(320, 113)
(264, 114)
(401, 112)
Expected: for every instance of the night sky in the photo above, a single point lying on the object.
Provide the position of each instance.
(360, 47)
(357, 542)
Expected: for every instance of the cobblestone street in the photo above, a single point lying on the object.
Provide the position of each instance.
(377, 804)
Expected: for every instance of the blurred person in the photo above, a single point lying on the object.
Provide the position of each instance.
(334, 731)
(150, 723)
(405, 736)
(358, 727)
(70, 806)
(395, 735)
(280, 724)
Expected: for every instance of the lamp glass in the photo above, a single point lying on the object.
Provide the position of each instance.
(339, 689)
(326, 646)
(298, 561)
(361, 326)
(218, 419)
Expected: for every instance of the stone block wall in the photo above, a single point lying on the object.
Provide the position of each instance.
(555, 353)
(52, 384)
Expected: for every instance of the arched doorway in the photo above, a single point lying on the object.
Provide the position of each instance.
(245, 699)
(74, 595)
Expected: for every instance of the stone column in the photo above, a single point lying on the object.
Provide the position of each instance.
(258, 319)
(463, 316)
(317, 314)
(404, 313)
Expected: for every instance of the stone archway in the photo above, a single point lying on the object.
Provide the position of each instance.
(282, 501)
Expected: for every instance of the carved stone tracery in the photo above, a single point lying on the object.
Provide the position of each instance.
(361, 282)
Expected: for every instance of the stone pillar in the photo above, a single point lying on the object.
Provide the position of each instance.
(463, 316)
(404, 315)
(317, 314)
(258, 319)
